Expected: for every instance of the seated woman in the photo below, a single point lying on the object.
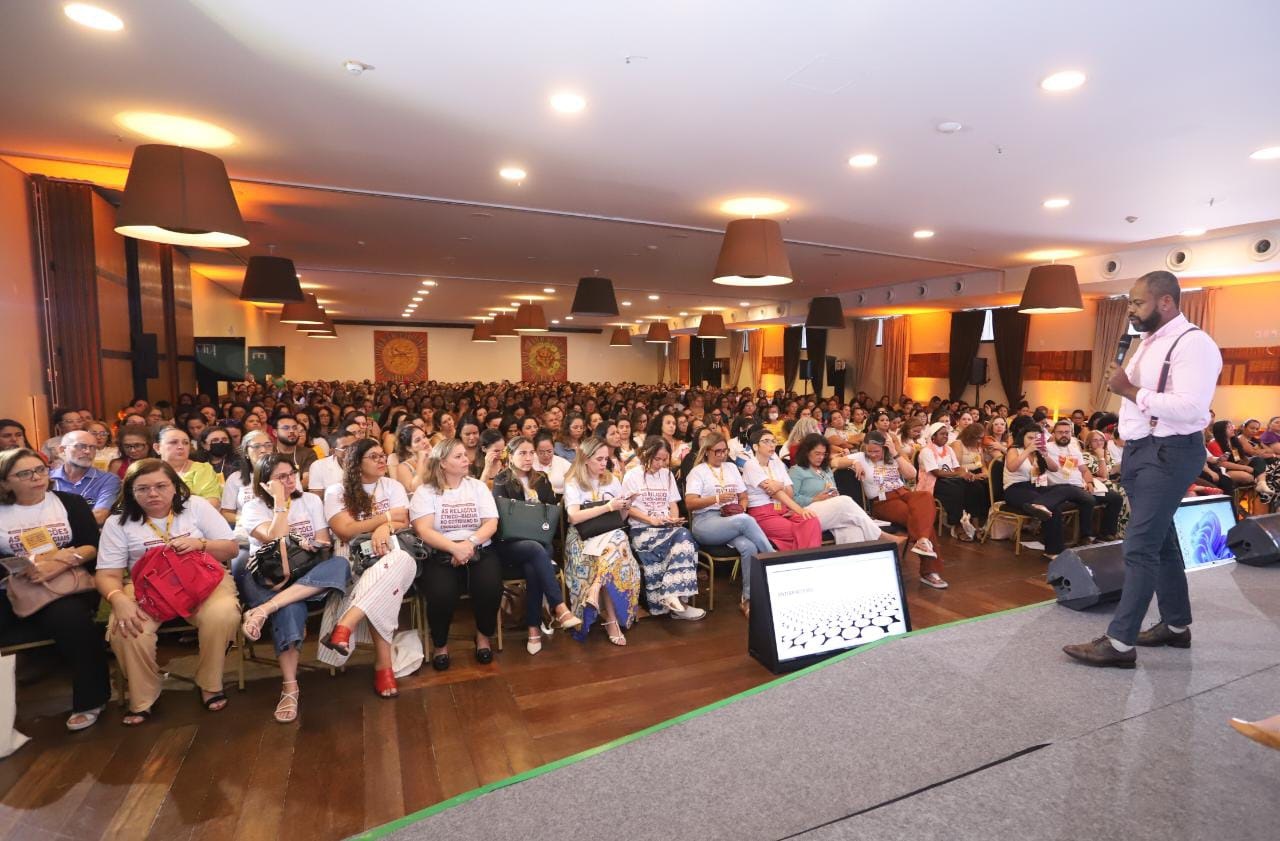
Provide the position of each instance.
(280, 507)
(107, 452)
(666, 550)
(814, 488)
(369, 502)
(531, 559)
(787, 525)
(222, 457)
(55, 531)
(961, 488)
(996, 441)
(157, 508)
(175, 451)
(488, 458)
(1243, 470)
(456, 516)
(134, 442)
(1026, 487)
(572, 431)
(238, 489)
(603, 574)
(1099, 461)
(884, 472)
(413, 448)
(716, 497)
(667, 425)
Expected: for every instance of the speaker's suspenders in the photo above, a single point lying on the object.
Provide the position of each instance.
(1164, 371)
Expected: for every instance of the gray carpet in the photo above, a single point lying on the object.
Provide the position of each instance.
(851, 738)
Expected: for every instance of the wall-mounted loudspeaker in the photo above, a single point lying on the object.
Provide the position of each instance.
(1110, 267)
(1265, 247)
(1256, 541)
(1087, 575)
(888, 295)
(922, 291)
(957, 287)
(1178, 259)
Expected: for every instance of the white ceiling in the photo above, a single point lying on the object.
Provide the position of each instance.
(718, 99)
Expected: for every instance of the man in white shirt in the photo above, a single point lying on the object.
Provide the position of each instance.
(328, 470)
(1063, 446)
(1167, 387)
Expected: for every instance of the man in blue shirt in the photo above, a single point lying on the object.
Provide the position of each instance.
(76, 474)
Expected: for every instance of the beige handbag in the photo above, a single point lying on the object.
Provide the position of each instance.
(27, 596)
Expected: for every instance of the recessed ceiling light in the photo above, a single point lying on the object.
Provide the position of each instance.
(405, 314)
(493, 315)
(93, 17)
(568, 318)
(922, 234)
(555, 321)
(626, 303)
(428, 283)
(1270, 153)
(949, 127)
(177, 131)
(417, 298)
(744, 303)
(1054, 204)
(548, 290)
(653, 297)
(683, 312)
(512, 173)
(863, 160)
(1193, 232)
(1063, 80)
(1052, 254)
(639, 322)
(567, 103)
(753, 206)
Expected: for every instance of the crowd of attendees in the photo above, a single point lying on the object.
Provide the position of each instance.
(388, 487)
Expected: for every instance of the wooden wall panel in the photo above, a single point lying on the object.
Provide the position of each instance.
(1250, 366)
(931, 365)
(117, 384)
(184, 324)
(1070, 366)
(151, 294)
(771, 365)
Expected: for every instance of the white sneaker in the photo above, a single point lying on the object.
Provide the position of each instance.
(924, 547)
(689, 613)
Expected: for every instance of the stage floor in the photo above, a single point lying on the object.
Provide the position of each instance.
(979, 729)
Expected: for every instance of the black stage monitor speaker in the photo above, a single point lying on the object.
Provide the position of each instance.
(1256, 541)
(978, 371)
(804, 372)
(1088, 575)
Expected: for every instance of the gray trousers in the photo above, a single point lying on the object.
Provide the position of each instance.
(1155, 473)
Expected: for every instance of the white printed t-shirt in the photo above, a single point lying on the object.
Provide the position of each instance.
(122, 544)
(703, 480)
(654, 492)
(458, 511)
(49, 514)
(753, 474)
(305, 518)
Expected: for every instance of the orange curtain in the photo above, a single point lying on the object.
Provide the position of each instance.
(736, 357)
(1200, 307)
(897, 347)
(662, 351)
(755, 349)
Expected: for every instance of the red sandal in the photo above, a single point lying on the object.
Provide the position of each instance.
(338, 639)
(384, 680)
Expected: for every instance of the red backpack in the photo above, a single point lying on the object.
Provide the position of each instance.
(167, 584)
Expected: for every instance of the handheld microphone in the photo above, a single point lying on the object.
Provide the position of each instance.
(1123, 348)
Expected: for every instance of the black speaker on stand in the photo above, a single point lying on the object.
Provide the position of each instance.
(978, 377)
(1088, 575)
(1256, 541)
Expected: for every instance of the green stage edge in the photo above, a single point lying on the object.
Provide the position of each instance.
(414, 817)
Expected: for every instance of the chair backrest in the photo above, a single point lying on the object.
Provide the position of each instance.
(995, 480)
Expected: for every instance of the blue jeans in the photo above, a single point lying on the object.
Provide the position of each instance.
(289, 623)
(1155, 474)
(739, 531)
(530, 560)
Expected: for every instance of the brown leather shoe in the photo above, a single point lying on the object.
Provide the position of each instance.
(1159, 634)
(1101, 652)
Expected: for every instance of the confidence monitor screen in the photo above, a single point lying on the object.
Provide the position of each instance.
(809, 604)
(1201, 524)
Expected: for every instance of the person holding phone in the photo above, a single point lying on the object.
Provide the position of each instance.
(667, 552)
(815, 488)
(1026, 483)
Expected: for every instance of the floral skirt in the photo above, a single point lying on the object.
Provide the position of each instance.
(616, 570)
(669, 561)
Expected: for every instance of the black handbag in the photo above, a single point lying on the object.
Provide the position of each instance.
(281, 562)
(519, 519)
(602, 524)
(362, 556)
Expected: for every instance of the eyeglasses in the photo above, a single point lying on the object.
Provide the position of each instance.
(259, 445)
(140, 445)
(34, 473)
(102, 433)
(146, 490)
(82, 446)
(282, 476)
(718, 451)
(376, 456)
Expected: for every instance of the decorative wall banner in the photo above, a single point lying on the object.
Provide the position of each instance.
(544, 359)
(399, 356)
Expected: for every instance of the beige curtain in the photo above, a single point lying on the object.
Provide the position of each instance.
(864, 345)
(897, 347)
(1199, 307)
(736, 356)
(680, 347)
(663, 351)
(1112, 322)
(755, 349)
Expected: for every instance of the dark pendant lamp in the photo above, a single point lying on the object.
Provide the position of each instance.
(594, 297)
(752, 254)
(306, 311)
(825, 313)
(483, 332)
(271, 280)
(504, 326)
(711, 326)
(1050, 290)
(531, 319)
(621, 338)
(179, 196)
(323, 327)
(327, 330)
(659, 333)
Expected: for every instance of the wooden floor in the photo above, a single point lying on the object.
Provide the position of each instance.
(354, 761)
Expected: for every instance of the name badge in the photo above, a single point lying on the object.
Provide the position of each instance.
(37, 541)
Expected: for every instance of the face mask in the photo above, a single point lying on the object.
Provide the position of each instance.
(219, 448)
(773, 416)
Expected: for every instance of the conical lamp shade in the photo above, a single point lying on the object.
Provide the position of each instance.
(327, 331)
(483, 332)
(531, 319)
(621, 338)
(659, 334)
(303, 312)
(711, 326)
(271, 280)
(504, 326)
(594, 296)
(1050, 290)
(752, 254)
(180, 196)
(825, 313)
